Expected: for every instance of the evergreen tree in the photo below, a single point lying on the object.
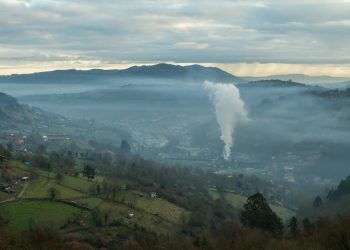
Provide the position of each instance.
(258, 214)
(317, 202)
(307, 225)
(293, 226)
(89, 172)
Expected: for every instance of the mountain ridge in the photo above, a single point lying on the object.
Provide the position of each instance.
(302, 78)
(158, 71)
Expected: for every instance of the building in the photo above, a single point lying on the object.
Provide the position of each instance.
(153, 195)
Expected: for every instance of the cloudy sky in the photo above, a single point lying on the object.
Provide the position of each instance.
(249, 37)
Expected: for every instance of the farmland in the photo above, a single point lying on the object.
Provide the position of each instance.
(24, 214)
(35, 209)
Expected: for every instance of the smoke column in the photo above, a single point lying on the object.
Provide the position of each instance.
(229, 110)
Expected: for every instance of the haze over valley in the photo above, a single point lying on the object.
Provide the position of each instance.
(175, 125)
(293, 130)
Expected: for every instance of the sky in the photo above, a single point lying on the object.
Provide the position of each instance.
(246, 38)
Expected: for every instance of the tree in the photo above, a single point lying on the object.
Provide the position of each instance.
(53, 193)
(317, 202)
(342, 189)
(98, 189)
(41, 149)
(89, 172)
(59, 177)
(4, 153)
(258, 214)
(114, 191)
(293, 226)
(307, 225)
(125, 147)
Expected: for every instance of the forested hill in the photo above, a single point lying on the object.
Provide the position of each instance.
(7, 101)
(159, 71)
(273, 83)
(13, 114)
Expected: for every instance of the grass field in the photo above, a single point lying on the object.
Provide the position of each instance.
(162, 208)
(238, 201)
(158, 206)
(156, 215)
(90, 202)
(148, 221)
(77, 183)
(213, 193)
(39, 188)
(48, 214)
(282, 212)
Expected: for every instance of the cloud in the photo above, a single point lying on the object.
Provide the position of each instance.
(191, 45)
(250, 31)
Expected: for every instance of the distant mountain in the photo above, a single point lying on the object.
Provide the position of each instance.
(273, 83)
(340, 85)
(159, 71)
(301, 78)
(333, 93)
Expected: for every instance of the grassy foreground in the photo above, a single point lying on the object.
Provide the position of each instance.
(24, 214)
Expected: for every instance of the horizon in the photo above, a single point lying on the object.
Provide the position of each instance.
(175, 124)
(260, 70)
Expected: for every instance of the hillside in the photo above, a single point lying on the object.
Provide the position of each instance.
(159, 71)
(18, 120)
(13, 114)
(124, 198)
(273, 83)
(7, 101)
(306, 79)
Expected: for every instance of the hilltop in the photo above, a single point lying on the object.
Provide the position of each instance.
(307, 79)
(158, 71)
(273, 83)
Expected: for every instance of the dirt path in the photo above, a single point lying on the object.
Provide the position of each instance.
(23, 190)
(8, 200)
(18, 196)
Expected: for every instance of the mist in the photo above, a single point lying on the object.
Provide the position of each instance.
(174, 121)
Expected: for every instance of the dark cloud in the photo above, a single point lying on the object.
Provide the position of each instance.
(222, 31)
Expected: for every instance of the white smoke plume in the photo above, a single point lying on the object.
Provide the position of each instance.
(229, 109)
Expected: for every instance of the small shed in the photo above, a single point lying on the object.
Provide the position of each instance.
(130, 215)
(153, 195)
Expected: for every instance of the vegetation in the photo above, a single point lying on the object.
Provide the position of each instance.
(40, 188)
(258, 214)
(89, 172)
(342, 189)
(194, 209)
(26, 214)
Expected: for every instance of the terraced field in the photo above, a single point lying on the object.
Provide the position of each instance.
(39, 188)
(24, 214)
(155, 215)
